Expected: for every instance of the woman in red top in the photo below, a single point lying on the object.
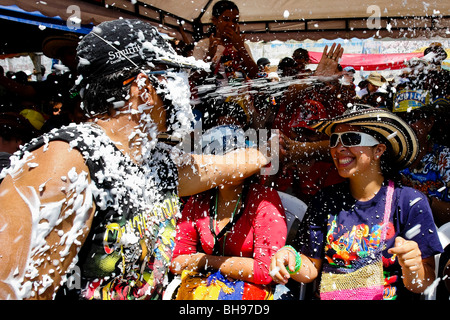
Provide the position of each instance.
(252, 221)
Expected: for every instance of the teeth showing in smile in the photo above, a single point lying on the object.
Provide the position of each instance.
(345, 161)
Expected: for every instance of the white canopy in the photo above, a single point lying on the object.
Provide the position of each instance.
(270, 19)
(300, 19)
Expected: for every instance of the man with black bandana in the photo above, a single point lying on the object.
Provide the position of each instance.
(102, 196)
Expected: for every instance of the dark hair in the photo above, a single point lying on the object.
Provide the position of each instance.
(301, 53)
(14, 126)
(263, 61)
(287, 66)
(286, 62)
(388, 166)
(438, 50)
(389, 169)
(100, 94)
(217, 108)
(222, 6)
(21, 77)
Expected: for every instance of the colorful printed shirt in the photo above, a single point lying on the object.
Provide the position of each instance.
(345, 233)
(129, 248)
(432, 175)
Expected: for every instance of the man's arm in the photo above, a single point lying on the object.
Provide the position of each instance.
(199, 173)
(46, 213)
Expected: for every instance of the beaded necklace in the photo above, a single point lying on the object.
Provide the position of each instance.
(234, 218)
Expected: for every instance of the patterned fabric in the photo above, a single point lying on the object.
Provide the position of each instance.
(432, 175)
(367, 282)
(346, 233)
(215, 286)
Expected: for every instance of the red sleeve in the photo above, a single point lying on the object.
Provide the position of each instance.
(269, 232)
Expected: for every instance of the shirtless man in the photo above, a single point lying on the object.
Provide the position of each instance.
(102, 196)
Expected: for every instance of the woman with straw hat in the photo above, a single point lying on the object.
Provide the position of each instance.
(368, 237)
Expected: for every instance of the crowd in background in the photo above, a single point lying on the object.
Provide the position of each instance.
(240, 91)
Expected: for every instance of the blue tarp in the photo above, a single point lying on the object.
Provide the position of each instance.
(14, 13)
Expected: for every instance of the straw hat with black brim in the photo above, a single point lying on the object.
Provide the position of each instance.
(385, 126)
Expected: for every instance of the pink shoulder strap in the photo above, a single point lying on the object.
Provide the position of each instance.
(387, 209)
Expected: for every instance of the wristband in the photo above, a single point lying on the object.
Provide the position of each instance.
(298, 259)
